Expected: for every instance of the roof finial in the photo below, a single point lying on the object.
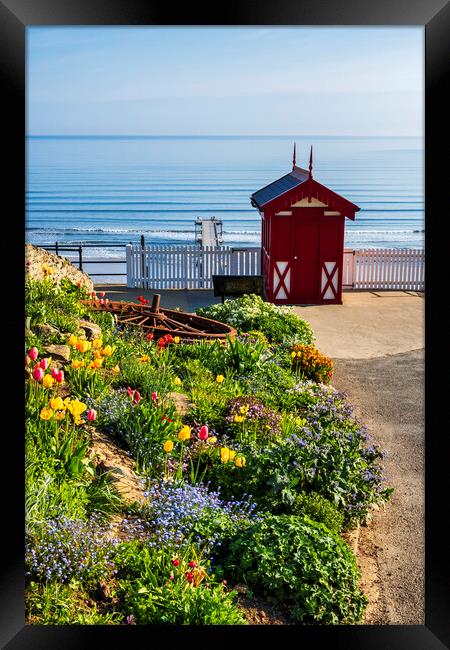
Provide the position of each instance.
(293, 159)
(310, 163)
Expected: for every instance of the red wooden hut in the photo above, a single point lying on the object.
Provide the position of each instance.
(302, 238)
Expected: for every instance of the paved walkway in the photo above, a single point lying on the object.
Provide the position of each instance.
(368, 324)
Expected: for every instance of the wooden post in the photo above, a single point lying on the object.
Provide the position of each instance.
(156, 302)
(142, 261)
(56, 248)
(80, 257)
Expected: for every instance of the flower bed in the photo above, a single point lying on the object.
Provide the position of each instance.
(253, 482)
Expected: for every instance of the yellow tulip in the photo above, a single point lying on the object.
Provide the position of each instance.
(238, 418)
(97, 344)
(211, 440)
(244, 409)
(293, 354)
(97, 354)
(232, 454)
(240, 461)
(108, 350)
(145, 358)
(184, 433)
(177, 381)
(56, 403)
(76, 363)
(76, 407)
(97, 363)
(46, 413)
(60, 415)
(176, 339)
(168, 446)
(116, 369)
(73, 340)
(220, 379)
(224, 454)
(48, 381)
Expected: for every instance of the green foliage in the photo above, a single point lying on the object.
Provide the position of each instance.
(87, 382)
(56, 604)
(157, 592)
(318, 508)
(250, 312)
(144, 377)
(301, 563)
(46, 302)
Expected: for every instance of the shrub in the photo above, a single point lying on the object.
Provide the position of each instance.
(319, 509)
(62, 549)
(301, 563)
(177, 514)
(309, 363)
(250, 312)
(249, 419)
(158, 587)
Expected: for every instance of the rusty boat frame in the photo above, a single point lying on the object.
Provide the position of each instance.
(160, 321)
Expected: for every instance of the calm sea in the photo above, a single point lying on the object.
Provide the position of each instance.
(113, 189)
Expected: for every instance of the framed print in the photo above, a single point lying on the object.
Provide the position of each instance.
(95, 158)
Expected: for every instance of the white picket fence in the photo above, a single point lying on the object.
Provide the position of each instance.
(192, 267)
(384, 268)
(187, 267)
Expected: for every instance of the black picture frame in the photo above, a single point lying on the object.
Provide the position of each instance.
(15, 16)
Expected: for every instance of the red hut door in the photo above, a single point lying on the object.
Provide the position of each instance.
(305, 262)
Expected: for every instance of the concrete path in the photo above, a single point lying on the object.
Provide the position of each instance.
(368, 324)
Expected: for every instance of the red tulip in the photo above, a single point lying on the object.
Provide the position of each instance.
(150, 337)
(130, 392)
(60, 377)
(38, 373)
(203, 433)
(189, 576)
(192, 564)
(44, 364)
(137, 397)
(168, 338)
(161, 342)
(175, 562)
(91, 415)
(154, 396)
(102, 294)
(33, 353)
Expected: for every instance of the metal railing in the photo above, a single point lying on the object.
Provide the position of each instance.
(58, 248)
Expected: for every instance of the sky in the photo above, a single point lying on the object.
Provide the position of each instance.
(225, 81)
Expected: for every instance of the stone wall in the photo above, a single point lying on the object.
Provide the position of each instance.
(36, 257)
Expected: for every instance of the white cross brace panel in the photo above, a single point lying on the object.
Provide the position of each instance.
(330, 277)
(281, 280)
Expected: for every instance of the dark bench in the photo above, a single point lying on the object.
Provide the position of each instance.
(238, 285)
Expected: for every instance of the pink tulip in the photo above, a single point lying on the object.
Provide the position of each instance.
(33, 353)
(91, 415)
(44, 364)
(137, 397)
(203, 433)
(102, 294)
(60, 377)
(102, 302)
(154, 396)
(55, 373)
(38, 373)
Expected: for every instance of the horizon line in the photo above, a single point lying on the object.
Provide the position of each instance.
(212, 135)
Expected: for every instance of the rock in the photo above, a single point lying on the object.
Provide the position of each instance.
(58, 352)
(92, 330)
(182, 403)
(35, 257)
(45, 329)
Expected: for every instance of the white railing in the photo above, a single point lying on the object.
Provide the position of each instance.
(192, 267)
(384, 268)
(187, 267)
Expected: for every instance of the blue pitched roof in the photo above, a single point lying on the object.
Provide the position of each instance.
(283, 184)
